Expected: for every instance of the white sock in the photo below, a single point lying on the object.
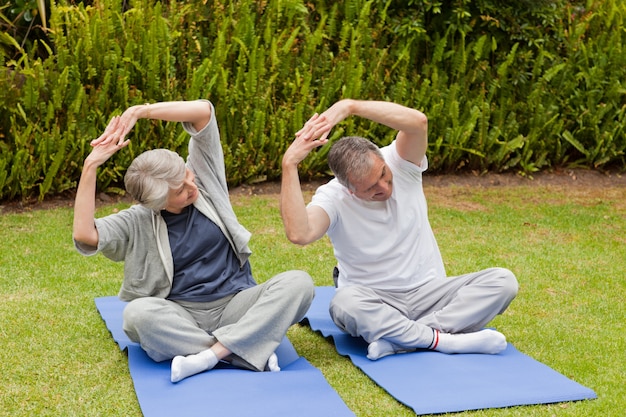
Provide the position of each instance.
(381, 348)
(272, 363)
(484, 341)
(184, 366)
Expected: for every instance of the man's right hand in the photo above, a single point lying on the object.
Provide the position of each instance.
(313, 135)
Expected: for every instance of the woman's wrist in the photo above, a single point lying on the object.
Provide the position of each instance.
(146, 111)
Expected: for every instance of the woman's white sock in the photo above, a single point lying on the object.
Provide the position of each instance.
(484, 341)
(184, 366)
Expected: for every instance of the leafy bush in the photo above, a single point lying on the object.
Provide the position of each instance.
(519, 87)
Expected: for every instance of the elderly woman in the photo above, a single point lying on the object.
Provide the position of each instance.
(187, 277)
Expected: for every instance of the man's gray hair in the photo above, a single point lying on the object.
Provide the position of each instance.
(152, 174)
(350, 158)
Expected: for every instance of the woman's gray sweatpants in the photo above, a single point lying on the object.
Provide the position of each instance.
(251, 323)
(460, 304)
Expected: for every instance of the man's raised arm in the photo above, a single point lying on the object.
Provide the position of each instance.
(302, 225)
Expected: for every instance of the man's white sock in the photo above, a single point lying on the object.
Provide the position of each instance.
(184, 366)
(272, 364)
(381, 348)
(484, 341)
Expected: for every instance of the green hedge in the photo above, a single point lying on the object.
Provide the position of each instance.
(507, 87)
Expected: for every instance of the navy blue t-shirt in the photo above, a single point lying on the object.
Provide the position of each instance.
(205, 265)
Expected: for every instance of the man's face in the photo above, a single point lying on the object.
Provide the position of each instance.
(377, 185)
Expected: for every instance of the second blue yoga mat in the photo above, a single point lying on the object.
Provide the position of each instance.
(433, 382)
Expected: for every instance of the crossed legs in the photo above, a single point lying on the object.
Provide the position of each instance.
(198, 335)
(447, 315)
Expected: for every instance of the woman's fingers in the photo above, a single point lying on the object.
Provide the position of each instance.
(108, 133)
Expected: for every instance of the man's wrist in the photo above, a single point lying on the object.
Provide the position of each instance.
(289, 169)
(90, 164)
(290, 164)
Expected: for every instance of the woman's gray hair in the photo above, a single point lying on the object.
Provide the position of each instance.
(152, 174)
(351, 158)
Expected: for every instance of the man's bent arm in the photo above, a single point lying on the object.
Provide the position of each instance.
(411, 124)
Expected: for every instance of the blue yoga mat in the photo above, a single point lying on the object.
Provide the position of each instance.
(299, 389)
(432, 382)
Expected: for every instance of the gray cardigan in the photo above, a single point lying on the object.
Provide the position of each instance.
(138, 236)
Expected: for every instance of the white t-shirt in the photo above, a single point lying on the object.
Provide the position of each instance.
(387, 245)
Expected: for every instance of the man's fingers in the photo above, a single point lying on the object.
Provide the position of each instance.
(314, 124)
(308, 123)
(314, 132)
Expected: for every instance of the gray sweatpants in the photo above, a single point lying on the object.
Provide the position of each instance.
(251, 323)
(461, 304)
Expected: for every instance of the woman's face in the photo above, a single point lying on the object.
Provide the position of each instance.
(186, 194)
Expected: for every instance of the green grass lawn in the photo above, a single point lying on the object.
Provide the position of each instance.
(566, 246)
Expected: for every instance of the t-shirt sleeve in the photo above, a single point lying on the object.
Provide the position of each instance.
(399, 165)
(325, 197)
